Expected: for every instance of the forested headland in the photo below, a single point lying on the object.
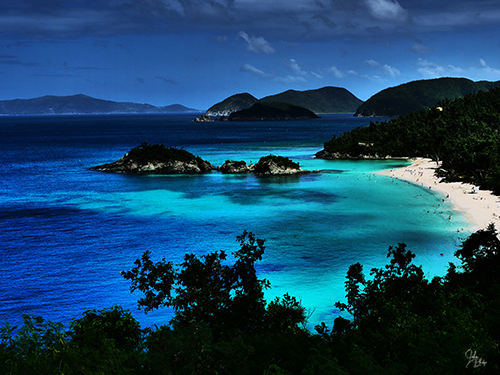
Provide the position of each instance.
(402, 323)
(462, 133)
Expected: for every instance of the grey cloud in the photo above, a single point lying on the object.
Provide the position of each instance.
(297, 20)
(252, 69)
(419, 48)
(295, 67)
(386, 10)
(256, 44)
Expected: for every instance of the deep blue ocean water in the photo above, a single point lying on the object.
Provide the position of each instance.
(67, 232)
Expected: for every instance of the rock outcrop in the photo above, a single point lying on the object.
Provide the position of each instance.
(157, 159)
(203, 118)
(235, 167)
(273, 165)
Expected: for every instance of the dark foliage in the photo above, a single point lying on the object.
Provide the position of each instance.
(323, 100)
(401, 322)
(281, 161)
(418, 95)
(462, 133)
(160, 153)
(272, 111)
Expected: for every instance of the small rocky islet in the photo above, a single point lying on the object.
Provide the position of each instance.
(159, 159)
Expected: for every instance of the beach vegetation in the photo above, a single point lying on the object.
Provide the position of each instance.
(462, 134)
(398, 322)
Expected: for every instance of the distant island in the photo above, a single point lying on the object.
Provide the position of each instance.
(417, 95)
(81, 104)
(323, 100)
(272, 111)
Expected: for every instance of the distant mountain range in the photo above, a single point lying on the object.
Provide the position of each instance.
(417, 95)
(323, 100)
(393, 101)
(81, 104)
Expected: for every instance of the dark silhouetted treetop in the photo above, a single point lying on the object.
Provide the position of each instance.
(208, 290)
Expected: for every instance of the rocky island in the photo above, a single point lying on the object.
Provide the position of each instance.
(157, 159)
(270, 165)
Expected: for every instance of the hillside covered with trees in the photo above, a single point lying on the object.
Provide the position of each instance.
(324, 100)
(272, 111)
(417, 95)
(463, 134)
(402, 323)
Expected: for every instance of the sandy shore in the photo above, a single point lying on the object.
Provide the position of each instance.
(480, 207)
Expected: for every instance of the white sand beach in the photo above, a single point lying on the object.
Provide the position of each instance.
(481, 207)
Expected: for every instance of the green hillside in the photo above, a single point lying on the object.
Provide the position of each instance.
(417, 95)
(232, 104)
(323, 100)
(462, 133)
(262, 111)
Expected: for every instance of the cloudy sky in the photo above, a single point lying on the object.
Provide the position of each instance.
(198, 52)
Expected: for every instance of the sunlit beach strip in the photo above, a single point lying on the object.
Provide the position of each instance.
(481, 207)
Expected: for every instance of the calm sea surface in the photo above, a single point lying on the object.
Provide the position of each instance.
(67, 232)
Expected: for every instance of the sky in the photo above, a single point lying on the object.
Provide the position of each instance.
(199, 52)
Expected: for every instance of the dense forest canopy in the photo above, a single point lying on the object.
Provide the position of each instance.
(462, 133)
(402, 323)
(417, 95)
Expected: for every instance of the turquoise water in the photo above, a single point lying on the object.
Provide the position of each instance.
(67, 232)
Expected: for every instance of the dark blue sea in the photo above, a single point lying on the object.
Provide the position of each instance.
(66, 232)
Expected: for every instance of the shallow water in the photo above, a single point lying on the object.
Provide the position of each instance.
(66, 232)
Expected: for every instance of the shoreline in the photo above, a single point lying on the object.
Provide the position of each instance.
(480, 207)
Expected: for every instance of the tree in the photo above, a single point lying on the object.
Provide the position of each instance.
(480, 252)
(207, 290)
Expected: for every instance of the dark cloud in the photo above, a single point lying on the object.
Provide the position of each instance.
(329, 23)
(77, 18)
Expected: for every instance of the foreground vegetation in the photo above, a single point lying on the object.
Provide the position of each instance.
(401, 323)
(462, 133)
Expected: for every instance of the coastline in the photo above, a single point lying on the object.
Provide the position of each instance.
(481, 207)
